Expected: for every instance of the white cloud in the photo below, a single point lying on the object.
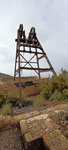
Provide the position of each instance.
(50, 18)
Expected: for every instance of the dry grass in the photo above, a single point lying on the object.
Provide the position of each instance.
(5, 110)
(39, 101)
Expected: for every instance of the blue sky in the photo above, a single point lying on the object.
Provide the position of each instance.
(49, 17)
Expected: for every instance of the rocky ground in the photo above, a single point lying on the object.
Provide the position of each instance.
(29, 106)
(10, 139)
(61, 118)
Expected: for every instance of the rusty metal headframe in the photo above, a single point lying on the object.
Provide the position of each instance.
(31, 42)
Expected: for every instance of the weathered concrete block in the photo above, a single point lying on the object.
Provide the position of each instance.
(42, 116)
(55, 140)
(23, 126)
(28, 137)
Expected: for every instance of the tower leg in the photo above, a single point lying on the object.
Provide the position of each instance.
(50, 64)
(37, 62)
(15, 64)
(20, 94)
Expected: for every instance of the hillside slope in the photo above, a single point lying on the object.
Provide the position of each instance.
(2, 75)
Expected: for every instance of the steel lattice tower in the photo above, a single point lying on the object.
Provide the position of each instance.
(35, 48)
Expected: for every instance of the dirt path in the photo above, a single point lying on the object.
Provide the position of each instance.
(10, 139)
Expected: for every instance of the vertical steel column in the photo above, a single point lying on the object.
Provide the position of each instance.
(15, 64)
(18, 48)
(20, 95)
(37, 62)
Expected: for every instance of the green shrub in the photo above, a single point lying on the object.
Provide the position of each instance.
(57, 88)
(54, 96)
(5, 110)
(59, 96)
(3, 96)
(53, 84)
(46, 91)
(13, 98)
(65, 94)
(39, 101)
(24, 96)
